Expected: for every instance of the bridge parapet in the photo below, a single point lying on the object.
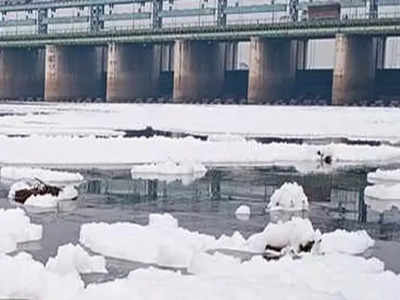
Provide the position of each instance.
(220, 14)
(234, 32)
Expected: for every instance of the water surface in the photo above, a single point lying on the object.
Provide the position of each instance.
(208, 204)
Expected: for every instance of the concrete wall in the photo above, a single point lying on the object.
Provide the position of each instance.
(271, 70)
(21, 73)
(354, 72)
(74, 72)
(387, 84)
(198, 70)
(236, 84)
(313, 84)
(133, 71)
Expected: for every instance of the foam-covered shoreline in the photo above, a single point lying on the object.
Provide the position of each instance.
(91, 151)
(314, 122)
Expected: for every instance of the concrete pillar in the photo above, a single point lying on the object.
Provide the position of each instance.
(133, 71)
(354, 71)
(21, 73)
(198, 70)
(271, 70)
(74, 72)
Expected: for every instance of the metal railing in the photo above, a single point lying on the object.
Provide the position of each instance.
(147, 27)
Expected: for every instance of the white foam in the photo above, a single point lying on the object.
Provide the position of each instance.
(21, 277)
(336, 275)
(170, 171)
(384, 176)
(16, 227)
(292, 234)
(384, 192)
(154, 243)
(255, 120)
(73, 258)
(163, 220)
(163, 242)
(92, 151)
(381, 205)
(170, 168)
(290, 196)
(48, 176)
(215, 277)
(343, 241)
(243, 210)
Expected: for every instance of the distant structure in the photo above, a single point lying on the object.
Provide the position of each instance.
(98, 59)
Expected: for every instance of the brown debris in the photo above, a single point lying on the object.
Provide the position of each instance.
(41, 189)
(274, 253)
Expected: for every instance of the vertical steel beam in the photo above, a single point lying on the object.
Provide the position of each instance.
(221, 15)
(293, 10)
(373, 9)
(41, 26)
(96, 22)
(157, 19)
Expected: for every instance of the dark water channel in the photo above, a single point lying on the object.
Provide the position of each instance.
(208, 204)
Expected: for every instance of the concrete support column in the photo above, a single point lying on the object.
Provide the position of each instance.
(198, 70)
(354, 71)
(133, 71)
(74, 72)
(22, 73)
(271, 70)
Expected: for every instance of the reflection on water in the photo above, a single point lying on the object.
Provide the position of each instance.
(337, 199)
(382, 205)
(242, 217)
(208, 204)
(167, 178)
(284, 216)
(139, 189)
(29, 246)
(66, 206)
(63, 206)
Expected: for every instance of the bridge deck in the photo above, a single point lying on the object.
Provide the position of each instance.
(307, 29)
